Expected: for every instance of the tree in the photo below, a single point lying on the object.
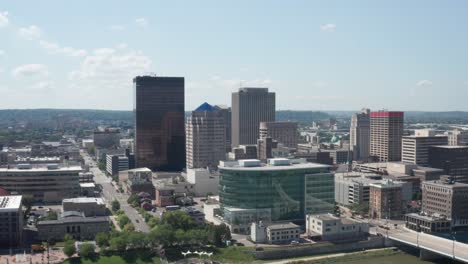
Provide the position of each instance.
(153, 221)
(178, 220)
(129, 227)
(123, 220)
(87, 250)
(118, 243)
(92, 151)
(147, 217)
(52, 215)
(102, 166)
(28, 201)
(218, 234)
(133, 198)
(102, 239)
(360, 209)
(180, 236)
(163, 234)
(197, 236)
(115, 205)
(67, 237)
(69, 248)
(136, 240)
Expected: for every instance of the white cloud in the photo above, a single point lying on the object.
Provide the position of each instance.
(57, 49)
(141, 22)
(3, 19)
(41, 86)
(30, 70)
(424, 83)
(117, 28)
(31, 32)
(328, 27)
(122, 46)
(107, 72)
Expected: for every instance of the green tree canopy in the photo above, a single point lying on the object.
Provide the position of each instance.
(178, 220)
(123, 220)
(102, 239)
(69, 248)
(87, 250)
(118, 243)
(115, 205)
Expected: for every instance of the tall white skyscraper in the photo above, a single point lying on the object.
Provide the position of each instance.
(360, 135)
(205, 137)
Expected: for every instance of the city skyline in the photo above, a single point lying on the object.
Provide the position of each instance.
(314, 55)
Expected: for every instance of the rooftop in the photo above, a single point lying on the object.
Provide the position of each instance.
(205, 107)
(84, 200)
(324, 217)
(138, 170)
(282, 226)
(446, 185)
(39, 168)
(87, 185)
(451, 147)
(75, 219)
(359, 177)
(275, 165)
(10, 202)
(427, 217)
(386, 184)
(329, 217)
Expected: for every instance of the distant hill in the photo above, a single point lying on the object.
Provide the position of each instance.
(15, 116)
(419, 116)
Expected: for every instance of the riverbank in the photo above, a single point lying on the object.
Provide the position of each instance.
(335, 258)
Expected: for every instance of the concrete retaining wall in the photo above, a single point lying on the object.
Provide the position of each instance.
(316, 249)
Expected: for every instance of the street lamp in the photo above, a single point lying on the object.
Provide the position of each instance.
(418, 229)
(453, 245)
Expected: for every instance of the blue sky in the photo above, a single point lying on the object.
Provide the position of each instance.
(316, 55)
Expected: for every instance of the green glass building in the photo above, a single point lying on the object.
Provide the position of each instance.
(282, 190)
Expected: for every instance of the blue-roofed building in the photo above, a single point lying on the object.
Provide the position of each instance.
(205, 137)
(205, 107)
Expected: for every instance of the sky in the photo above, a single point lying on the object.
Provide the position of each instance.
(316, 55)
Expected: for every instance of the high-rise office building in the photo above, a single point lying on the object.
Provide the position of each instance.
(285, 133)
(415, 148)
(11, 224)
(452, 159)
(250, 106)
(360, 135)
(206, 137)
(385, 200)
(226, 113)
(458, 137)
(159, 122)
(446, 199)
(281, 190)
(386, 130)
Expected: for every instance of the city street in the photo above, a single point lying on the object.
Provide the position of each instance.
(109, 193)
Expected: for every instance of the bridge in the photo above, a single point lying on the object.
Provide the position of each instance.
(431, 246)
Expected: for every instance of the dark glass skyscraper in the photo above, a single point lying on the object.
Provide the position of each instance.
(159, 122)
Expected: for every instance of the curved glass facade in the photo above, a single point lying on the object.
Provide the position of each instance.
(288, 194)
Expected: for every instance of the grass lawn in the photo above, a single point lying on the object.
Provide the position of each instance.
(117, 259)
(233, 255)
